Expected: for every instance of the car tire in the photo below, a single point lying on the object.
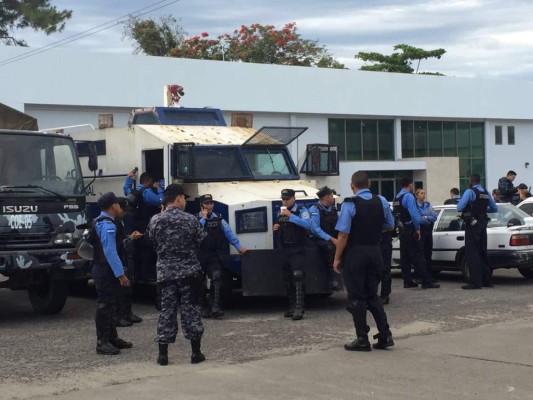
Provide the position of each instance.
(463, 267)
(526, 272)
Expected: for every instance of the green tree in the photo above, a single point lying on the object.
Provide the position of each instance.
(36, 14)
(152, 37)
(400, 61)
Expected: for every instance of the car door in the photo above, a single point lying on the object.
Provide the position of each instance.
(448, 235)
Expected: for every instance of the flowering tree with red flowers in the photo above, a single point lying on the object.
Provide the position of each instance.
(256, 43)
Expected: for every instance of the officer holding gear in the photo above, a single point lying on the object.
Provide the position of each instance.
(506, 187)
(108, 274)
(362, 219)
(217, 230)
(323, 220)
(123, 315)
(411, 252)
(148, 196)
(176, 236)
(475, 204)
(293, 223)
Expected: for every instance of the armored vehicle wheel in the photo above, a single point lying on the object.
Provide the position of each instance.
(526, 272)
(48, 296)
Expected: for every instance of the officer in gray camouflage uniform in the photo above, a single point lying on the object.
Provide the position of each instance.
(176, 236)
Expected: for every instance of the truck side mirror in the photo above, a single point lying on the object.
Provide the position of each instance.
(93, 157)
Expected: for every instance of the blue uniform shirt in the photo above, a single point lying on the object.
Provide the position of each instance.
(232, 238)
(303, 220)
(469, 197)
(107, 232)
(344, 224)
(149, 196)
(425, 210)
(409, 202)
(314, 213)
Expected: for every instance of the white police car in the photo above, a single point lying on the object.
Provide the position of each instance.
(509, 240)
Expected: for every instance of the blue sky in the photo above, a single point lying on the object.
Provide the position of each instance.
(483, 38)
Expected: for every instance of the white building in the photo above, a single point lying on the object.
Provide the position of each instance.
(439, 129)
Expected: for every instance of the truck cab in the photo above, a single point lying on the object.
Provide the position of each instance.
(42, 200)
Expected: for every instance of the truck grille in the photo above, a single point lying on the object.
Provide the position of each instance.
(24, 239)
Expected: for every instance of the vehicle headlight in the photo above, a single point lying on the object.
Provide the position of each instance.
(63, 238)
(251, 220)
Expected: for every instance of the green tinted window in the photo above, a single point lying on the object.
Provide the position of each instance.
(370, 139)
(408, 141)
(477, 139)
(336, 136)
(353, 139)
(421, 142)
(386, 139)
(435, 138)
(463, 139)
(498, 134)
(449, 145)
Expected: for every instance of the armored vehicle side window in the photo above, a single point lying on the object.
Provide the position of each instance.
(219, 163)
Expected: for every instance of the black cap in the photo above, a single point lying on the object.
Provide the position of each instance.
(522, 186)
(206, 198)
(175, 190)
(324, 191)
(287, 194)
(496, 191)
(107, 200)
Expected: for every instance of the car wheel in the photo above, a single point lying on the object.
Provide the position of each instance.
(463, 267)
(526, 272)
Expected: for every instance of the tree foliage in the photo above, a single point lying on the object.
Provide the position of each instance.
(36, 14)
(256, 43)
(400, 61)
(152, 37)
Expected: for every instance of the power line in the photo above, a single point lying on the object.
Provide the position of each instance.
(88, 32)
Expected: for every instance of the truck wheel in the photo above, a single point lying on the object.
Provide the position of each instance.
(48, 296)
(78, 287)
(526, 272)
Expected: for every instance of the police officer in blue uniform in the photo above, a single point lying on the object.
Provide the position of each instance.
(217, 230)
(148, 196)
(475, 203)
(411, 252)
(108, 274)
(428, 216)
(323, 220)
(362, 219)
(292, 226)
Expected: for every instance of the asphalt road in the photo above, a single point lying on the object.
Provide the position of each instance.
(45, 355)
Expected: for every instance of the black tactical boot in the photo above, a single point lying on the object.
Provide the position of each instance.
(197, 356)
(106, 348)
(359, 344)
(120, 312)
(300, 297)
(291, 295)
(216, 309)
(384, 340)
(162, 359)
(120, 343)
(104, 327)
(128, 315)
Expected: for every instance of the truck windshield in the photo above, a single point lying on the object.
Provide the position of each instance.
(268, 163)
(48, 163)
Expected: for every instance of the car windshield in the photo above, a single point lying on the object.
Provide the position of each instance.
(451, 218)
(46, 165)
(527, 208)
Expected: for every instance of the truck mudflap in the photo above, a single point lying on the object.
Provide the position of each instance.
(262, 273)
(11, 261)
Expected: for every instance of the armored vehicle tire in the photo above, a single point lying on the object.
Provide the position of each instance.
(49, 295)
(526, 272)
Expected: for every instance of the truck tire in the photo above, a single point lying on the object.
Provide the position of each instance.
(526, 272)
(48, 296)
